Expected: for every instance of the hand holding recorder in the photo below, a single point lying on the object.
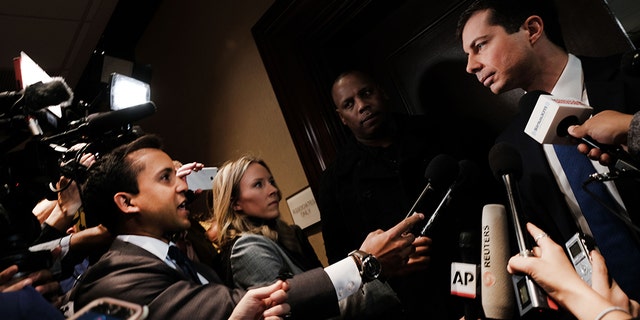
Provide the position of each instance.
(551, 269)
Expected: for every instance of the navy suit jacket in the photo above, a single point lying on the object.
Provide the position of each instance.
(541, 199)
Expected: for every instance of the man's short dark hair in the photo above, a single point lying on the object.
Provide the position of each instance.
(360, 73)
(511, 14)
(114, 172)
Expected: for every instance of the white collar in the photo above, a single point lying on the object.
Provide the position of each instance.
(571, 81)
(155, 246)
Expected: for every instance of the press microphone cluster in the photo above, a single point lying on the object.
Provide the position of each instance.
(550, 119)
(481, 278)
(506, 165)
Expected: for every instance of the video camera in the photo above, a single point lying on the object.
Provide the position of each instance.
(39, 145)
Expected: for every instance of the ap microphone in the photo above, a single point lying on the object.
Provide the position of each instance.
(496, 287)
(506, 164)
(467, 174)
(551, 118)
(37, 96)
(441, 172)
(464, 275)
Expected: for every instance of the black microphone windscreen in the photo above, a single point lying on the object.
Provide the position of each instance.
(505, 159)
(40, 95)
(442, 170)
(528, 101)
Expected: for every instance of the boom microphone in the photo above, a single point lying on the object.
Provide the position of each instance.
(99, 123)
(441, 171)
(506, 164)
(496, 293)
(37, 96)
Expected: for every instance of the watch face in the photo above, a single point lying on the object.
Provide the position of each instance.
(371, 267)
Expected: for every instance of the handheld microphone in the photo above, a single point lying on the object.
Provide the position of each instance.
(467, 173)
(496, 293)
(441, 171)
(551, 118)
(99, 123)
(37, 96)
(506, 164)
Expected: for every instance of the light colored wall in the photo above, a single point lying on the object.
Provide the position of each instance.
(213, 95)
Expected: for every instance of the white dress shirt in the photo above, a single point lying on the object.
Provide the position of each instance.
(571, 85)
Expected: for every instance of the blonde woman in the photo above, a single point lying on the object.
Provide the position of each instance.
(257, 247)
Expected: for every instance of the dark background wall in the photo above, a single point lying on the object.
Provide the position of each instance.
(410, 46)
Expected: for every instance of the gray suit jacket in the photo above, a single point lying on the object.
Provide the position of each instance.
(131, 273)
(256, 260)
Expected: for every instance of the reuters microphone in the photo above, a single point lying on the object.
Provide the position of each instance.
(496, 288)
(506, 164)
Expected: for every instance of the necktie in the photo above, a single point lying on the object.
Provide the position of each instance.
(612, 236)
(185, 265)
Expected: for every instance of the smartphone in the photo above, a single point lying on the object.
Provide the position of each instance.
(202, 179)
(111, 309)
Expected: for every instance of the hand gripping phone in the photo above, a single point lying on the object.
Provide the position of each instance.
(202, 179)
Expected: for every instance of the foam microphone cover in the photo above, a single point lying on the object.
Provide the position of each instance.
(496, 287)
(54, 92)
(505, 159)
(442, 171)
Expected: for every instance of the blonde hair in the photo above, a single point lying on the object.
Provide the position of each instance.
(226, 190)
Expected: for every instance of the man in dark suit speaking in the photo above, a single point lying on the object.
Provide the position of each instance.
(518, 44)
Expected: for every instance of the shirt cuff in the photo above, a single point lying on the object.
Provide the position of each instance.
(64, 244)
(50, 245)
(345, 277)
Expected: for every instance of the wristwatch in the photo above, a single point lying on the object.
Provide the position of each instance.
(368, 265)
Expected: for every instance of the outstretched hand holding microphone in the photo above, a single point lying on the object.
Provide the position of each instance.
(608, 127)
(551, 269)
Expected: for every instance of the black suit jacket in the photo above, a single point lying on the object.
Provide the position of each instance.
(542, 201)
(133, 274)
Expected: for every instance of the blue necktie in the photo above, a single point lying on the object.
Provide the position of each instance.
(184, 263)
(612, 236)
